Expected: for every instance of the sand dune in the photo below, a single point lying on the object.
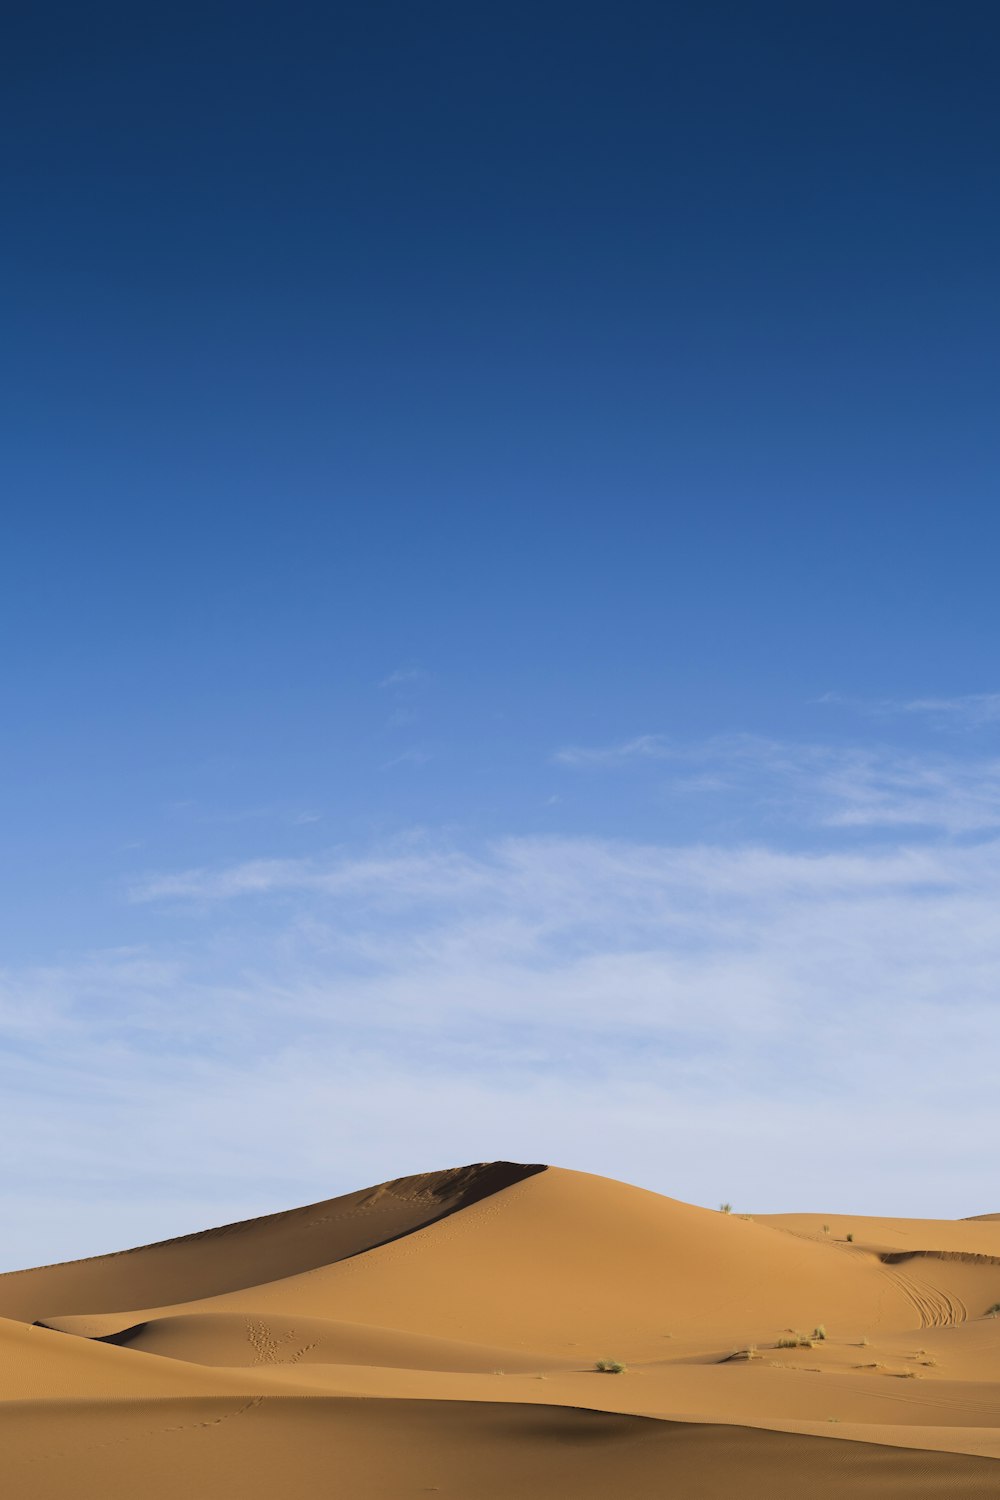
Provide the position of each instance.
(441, 1332)
(258, 1250)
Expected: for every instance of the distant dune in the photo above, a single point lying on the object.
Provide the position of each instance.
(440, 1334)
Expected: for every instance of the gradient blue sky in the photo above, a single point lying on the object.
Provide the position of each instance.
(499, 600)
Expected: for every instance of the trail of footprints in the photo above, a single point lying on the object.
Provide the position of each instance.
(268, 1350)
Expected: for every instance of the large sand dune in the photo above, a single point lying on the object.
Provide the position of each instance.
(439, 1334)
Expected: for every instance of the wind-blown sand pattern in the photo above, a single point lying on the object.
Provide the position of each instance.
(439, 1335)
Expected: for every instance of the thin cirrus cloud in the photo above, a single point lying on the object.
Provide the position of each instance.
(710, 1021)
(816, 784)
(962, 711)
(405, 687)
(641, 747)
(405, 679)
(780, 1026)
(585, 1001)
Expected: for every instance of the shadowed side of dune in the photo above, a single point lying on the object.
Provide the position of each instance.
(254, 1251)
(388, 1449)
(958, 1257)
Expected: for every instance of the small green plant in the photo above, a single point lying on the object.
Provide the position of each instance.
(610, 1367)
(725, 1208)
(826, 1229)
(849, 1238)
(819, 1332)
(991, 1312)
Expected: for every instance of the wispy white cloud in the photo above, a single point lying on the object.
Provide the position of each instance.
(973, 709)
(191, 811)
(881, 790)
(832, 786)
(594, 1002)
(405, 686)
(407, 678)
(814, 1025)
(642, 747)
(396, 872)
(413, 755)
(962, 711)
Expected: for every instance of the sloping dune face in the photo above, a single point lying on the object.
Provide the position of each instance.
(442, 1332)
(254, 1251)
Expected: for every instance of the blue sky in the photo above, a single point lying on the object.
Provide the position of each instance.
(498, 592)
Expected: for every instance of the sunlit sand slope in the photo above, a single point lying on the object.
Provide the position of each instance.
(440, 1334)
(563, 1260)
(385, 1450)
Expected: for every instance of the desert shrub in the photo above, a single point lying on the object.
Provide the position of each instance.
(725, 1208)
(610, 1367)
(819, 1332)
(991, 1312)
(849, 1238)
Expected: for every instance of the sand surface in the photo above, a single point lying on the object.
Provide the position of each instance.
(439, 1335)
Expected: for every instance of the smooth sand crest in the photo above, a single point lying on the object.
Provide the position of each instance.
(442, 1332)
